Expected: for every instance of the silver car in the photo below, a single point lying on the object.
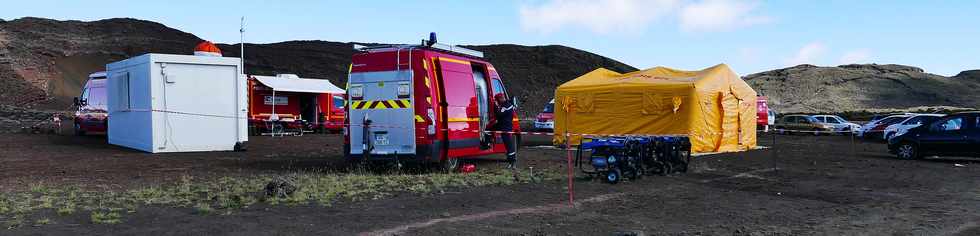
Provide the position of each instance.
(839, 123)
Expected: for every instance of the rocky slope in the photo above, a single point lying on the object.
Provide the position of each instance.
(848, 88)
(45, 62)
(43, 59)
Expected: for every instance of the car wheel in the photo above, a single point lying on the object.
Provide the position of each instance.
(817, 132)
(907, 151)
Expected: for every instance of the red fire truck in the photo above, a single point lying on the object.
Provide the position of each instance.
(287, 104)
(427, 103)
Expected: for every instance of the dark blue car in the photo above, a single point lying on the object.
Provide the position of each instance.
(954, 135)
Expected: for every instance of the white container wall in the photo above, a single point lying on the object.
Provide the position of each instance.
(177, 103)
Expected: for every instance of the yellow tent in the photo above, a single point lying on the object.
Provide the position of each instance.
(714, 107)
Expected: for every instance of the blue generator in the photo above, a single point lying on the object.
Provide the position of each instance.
(615, 158)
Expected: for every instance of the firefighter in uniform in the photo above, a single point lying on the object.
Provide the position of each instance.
(503, 121)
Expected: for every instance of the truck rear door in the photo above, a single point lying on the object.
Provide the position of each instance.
(385, 99)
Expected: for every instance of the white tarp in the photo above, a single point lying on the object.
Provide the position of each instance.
(291, 83)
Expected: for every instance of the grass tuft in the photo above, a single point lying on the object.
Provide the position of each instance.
(110, 217)
(42, 221)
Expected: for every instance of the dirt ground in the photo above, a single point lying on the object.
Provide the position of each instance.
(799, 185)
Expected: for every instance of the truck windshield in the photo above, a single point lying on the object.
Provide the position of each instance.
(96, 97)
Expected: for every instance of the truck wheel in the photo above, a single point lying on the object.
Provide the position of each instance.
(450, 164)
(613, 176)
(907, 151)
(78, 130)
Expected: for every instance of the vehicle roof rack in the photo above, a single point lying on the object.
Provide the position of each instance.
(425, 44)
(453, 48)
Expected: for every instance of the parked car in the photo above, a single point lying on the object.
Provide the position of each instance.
(867, 127)
(546, 119)
(878, 132)
(91, 115)
(955, 135)
(839, 123)
(797, 123)
(910, 122)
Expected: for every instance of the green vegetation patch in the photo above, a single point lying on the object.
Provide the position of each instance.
(223, 195)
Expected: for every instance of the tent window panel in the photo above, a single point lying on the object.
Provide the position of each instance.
(658, 104)
(661, 103)
(617, 104)
(583, 102)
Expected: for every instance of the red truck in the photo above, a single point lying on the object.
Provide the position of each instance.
(91, 114)
(294, 104)
(427, 103)
(765, 117)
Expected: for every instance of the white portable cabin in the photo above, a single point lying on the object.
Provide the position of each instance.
(177, 103)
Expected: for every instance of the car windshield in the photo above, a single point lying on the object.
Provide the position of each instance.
(550, 108)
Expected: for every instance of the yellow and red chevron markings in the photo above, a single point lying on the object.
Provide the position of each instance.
(382, 104)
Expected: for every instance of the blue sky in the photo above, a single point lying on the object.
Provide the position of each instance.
(751, 36)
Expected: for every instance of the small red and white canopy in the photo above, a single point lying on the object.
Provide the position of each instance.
(207, 48)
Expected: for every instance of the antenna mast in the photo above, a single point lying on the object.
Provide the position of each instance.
(241, 32)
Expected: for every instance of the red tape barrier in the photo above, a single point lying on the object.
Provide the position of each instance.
(699, 134)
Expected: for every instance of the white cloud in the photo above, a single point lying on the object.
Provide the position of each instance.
(856, 56)
(630, 16)
(599, 16)
(808, 54)
(720, 15)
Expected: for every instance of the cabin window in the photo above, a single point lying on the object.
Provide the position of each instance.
(498, 87)
(122, 91)
(951, 124)
(338, 102)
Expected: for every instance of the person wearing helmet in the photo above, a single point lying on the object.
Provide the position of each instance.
(503, 121)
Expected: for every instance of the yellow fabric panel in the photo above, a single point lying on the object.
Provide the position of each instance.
(713, 106)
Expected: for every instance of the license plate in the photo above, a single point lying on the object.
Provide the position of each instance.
(381, 139)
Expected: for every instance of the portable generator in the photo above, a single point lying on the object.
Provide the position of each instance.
(672, 154)
(613, 158)
(632, 157)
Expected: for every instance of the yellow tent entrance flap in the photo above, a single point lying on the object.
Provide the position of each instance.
(713, 107)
